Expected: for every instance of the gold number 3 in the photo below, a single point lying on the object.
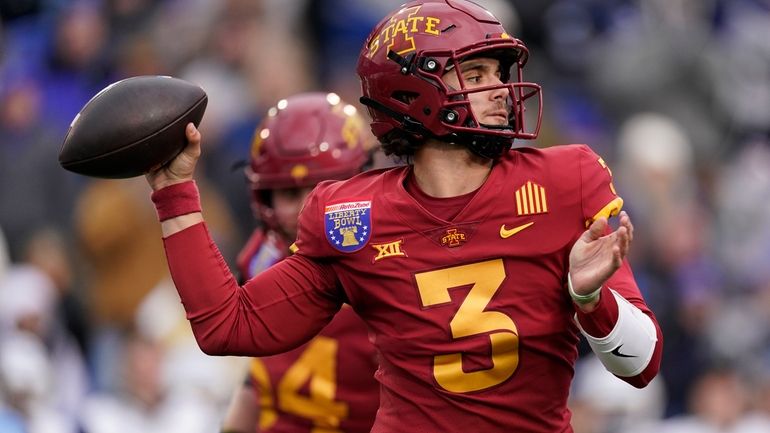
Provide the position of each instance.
(472, 319)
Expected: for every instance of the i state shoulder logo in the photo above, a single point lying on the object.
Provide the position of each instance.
(348, 225)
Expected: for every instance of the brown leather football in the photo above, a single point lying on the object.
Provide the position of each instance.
(132, 126)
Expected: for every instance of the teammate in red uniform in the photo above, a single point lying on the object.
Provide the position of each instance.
(476, 267)
(305, 139)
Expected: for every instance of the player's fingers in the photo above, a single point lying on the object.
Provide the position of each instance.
(596, 230)
(194, 140)
(623, 241)
(193, 135)
(625, 221)
(617, 256)
(630, 227)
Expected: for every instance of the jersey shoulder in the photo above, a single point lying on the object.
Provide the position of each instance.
(337, 215)
(558, 166)
(575, 170)
(557, 157)
(361, 185)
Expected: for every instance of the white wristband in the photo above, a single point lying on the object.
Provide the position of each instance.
(582, 299)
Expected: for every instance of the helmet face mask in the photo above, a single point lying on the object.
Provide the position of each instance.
(303, 140)
(403, 63)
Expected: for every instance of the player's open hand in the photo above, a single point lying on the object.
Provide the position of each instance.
(596, 255)
(181, 168)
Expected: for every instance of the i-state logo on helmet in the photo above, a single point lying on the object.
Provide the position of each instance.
(348, 225)
(396, 34)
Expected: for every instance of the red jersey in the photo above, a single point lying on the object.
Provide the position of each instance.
(471, 317)
(328, 383)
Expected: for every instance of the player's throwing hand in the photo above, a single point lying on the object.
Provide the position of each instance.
(597, 254)
(181, 168)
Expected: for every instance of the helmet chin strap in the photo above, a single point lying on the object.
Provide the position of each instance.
(481, 145)
(497, 127)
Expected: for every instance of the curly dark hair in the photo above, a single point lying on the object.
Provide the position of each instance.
(400, 144)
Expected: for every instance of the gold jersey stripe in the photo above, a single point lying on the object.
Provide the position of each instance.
(611, 209)
(536, 195)
(529, 197)
(524, 208)
(542, 199)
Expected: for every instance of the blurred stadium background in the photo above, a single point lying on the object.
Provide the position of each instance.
(675, 94)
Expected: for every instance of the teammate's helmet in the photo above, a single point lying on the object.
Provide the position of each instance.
(303, 140)
(407, 53)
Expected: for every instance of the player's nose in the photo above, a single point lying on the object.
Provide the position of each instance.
(499, 93)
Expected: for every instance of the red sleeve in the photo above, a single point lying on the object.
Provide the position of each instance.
(599, 198)
(598, 195)
(600, 322)
(276, 311)
(311, 229)
(247, 252)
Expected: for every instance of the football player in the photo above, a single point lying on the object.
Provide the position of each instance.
(302, 140)
(476, 267)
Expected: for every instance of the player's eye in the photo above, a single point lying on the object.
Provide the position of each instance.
(473, 78)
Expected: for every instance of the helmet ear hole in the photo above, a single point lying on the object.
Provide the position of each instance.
(266, 197)
(405, 96)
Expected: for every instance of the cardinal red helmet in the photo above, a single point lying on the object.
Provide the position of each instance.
(404, 58)
(303, 140)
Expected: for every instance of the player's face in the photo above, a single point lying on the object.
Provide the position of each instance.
(490, 106)
(287, 203)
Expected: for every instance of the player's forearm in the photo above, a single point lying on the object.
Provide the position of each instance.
(177, 224)
(228, 319)
(178, 206)
(625, 337)
(621, 318)
(642, 379)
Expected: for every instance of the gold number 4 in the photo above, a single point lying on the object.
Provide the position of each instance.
(472, 319)
(317, 365)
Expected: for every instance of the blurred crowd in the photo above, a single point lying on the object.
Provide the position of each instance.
(674, 94)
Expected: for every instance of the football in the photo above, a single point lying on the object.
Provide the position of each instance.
(132, 126)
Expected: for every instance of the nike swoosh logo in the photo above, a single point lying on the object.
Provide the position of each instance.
(505, 233)
(616, 352)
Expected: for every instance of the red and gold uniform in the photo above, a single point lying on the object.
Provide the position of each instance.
(326, 385)
(471, 317)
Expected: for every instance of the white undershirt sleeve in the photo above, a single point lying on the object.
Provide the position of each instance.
(628, 348)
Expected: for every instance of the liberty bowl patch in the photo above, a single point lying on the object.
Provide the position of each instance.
(348, 225)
